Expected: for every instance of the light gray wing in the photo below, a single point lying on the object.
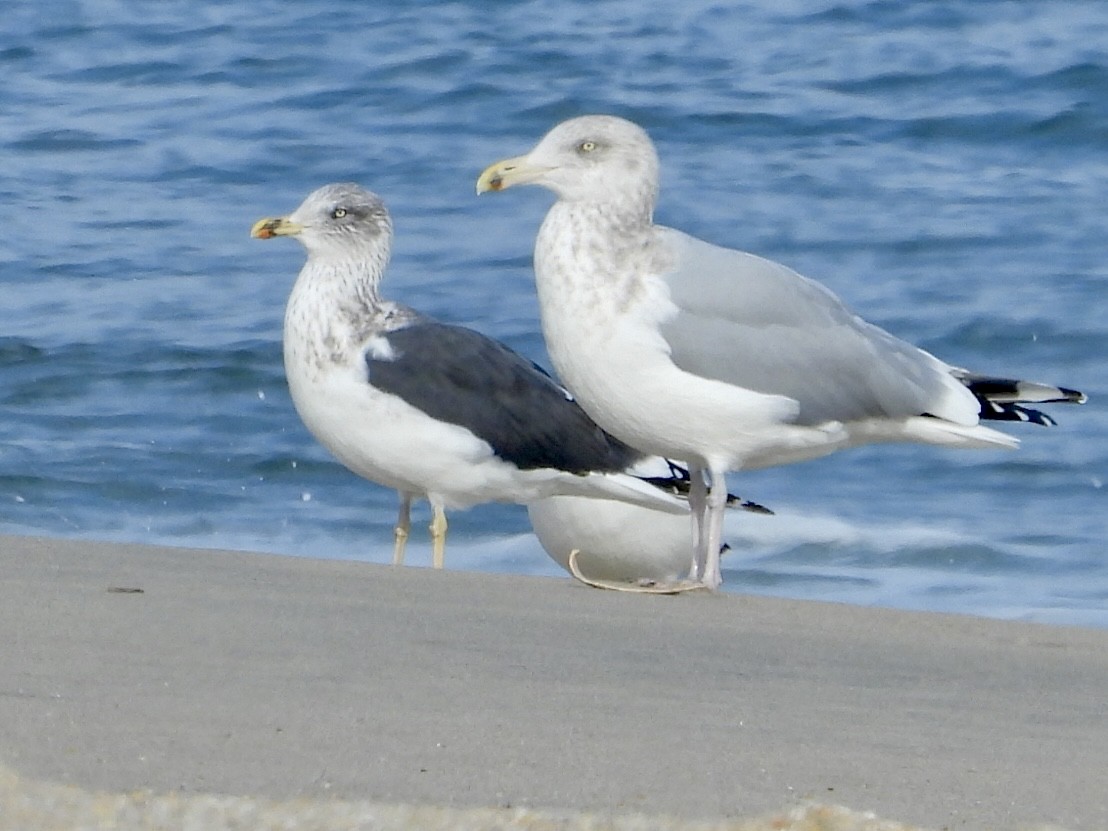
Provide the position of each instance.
(754, 323)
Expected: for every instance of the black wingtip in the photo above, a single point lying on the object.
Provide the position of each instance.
(1072, 396)
(738, 502)
(992, 411)
(1004, 399)
(678, 485)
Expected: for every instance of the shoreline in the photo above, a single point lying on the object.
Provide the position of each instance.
(281, 678)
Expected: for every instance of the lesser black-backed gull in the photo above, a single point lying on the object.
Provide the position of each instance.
(427, 408)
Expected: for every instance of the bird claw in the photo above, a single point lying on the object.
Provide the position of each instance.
(645, 586)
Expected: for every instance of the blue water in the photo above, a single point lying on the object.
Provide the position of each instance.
(941, 165)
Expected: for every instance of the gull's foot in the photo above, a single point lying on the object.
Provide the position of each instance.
(645, 586)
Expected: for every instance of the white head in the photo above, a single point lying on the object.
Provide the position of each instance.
(598, 159)
(339, 222)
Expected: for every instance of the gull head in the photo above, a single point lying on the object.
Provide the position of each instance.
(339, 221)
(600, 159)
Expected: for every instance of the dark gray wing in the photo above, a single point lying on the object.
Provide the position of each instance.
(461, 377)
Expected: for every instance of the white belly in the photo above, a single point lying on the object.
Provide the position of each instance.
(627, 383)
(615, 541)
(382, 438)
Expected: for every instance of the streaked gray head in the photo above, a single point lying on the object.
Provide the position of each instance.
(593, 158)
(344, 221)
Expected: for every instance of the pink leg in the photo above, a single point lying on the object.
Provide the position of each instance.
(717, 505)
(698, 504)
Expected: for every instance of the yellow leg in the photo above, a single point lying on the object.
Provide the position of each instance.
(438, 536)
(403, 525)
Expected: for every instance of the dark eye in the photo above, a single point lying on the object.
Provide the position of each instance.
(338, 213)
(586, 146)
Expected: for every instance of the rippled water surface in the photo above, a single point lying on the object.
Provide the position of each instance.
(941, 165)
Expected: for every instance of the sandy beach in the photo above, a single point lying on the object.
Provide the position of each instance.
(159, 676)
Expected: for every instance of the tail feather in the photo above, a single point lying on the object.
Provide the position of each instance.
(1001, 398)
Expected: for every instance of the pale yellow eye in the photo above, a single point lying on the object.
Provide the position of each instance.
(586, 146)
(338, 213)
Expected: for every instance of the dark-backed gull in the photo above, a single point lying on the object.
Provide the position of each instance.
(427, 408)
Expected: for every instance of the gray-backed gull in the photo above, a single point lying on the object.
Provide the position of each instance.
(726, 360)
